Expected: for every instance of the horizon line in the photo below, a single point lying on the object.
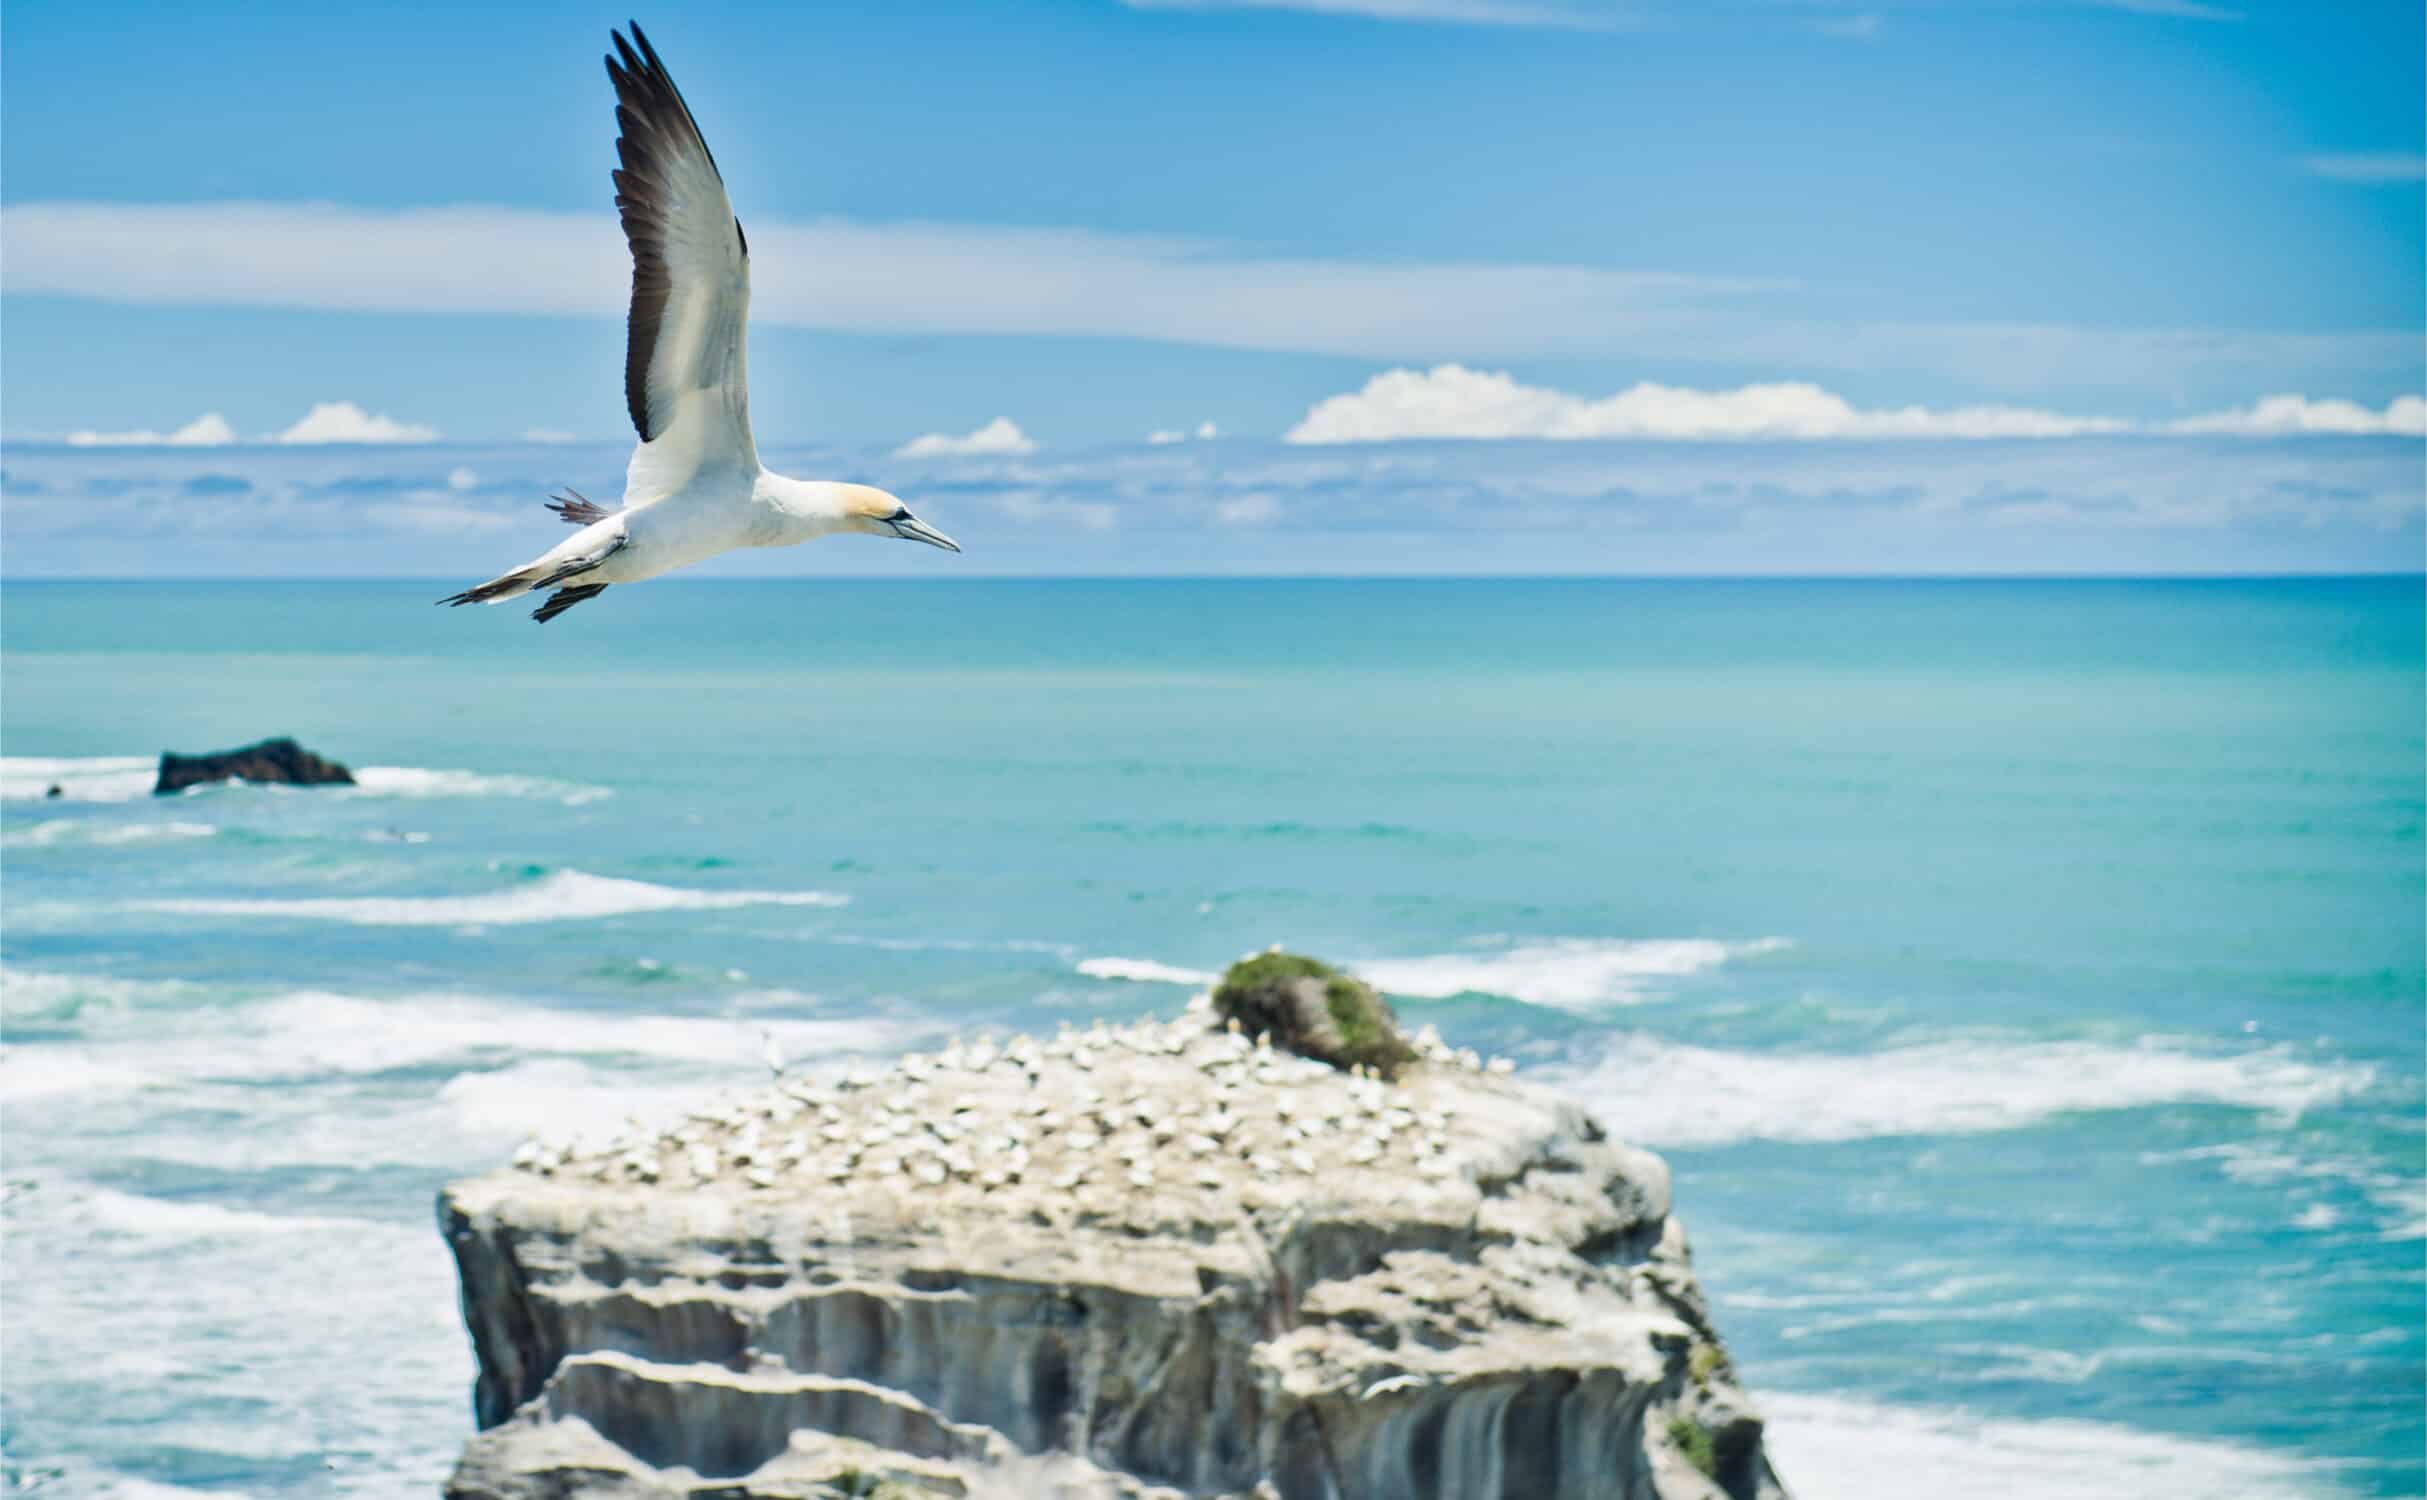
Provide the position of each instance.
(2415, 575)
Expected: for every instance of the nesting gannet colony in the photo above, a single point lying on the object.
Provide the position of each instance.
(1158, 1259)
(694, 487)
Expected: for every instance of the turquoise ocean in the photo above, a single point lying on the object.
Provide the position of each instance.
(2024, 979)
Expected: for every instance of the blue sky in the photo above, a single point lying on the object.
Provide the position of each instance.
(1938, 220)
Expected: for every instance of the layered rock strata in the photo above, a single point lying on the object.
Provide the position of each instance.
(1148, 1261)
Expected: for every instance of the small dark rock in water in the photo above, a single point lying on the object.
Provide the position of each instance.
(1314, 1010)
(56, 790)
(280, 760)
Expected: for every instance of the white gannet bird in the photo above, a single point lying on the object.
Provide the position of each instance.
(694, 487)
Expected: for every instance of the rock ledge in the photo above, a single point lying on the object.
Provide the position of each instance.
(1148, 1261)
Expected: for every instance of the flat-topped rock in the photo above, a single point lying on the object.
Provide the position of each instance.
(1153, 1260)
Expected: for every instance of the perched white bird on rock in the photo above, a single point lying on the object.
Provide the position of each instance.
(694, 487)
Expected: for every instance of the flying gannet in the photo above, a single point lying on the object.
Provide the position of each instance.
(694, 487)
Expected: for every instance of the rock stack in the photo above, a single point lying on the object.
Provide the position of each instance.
(1156, 1260)
(279, 762)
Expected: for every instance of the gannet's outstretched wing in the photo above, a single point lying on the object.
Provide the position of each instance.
(685, 372)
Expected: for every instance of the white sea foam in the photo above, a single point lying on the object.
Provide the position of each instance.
(1143, 971)
(89, 778)
(55, 831)
(309, 1034)
(1662, 1093)
(127, 778)
(252, 1302)
(2402, 1199)
(563, 896)
(44, 1072)
(416, 781)
(31, 992)
(1832, 1448)
(1570, 973)
(113, 1212)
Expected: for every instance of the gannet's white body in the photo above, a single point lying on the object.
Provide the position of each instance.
(695, 487)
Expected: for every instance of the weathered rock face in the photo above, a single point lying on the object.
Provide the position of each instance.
(280, 760)
(1156, 1261)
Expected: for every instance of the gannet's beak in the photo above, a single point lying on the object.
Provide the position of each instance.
(911, 528)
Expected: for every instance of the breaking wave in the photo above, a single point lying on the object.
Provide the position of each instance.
(1831, 1448)
(1667, 1094)
(1565, 973)
(1143, 971)
(129, 778)
(562, 896)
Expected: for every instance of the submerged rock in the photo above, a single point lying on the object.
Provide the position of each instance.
(281, 761)
(1159, 1261)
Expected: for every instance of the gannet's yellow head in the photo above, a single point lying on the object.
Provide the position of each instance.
(867, 508)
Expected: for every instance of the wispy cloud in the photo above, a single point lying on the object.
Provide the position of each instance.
(1601, 15)
(1206, 432)
(2188, 10)
(2369, 166)
(1856, 28)
(210, 430)
(979, 279)
(1452, 401)
(2154, 501)
(924, 278)
(2285, 416)
(1577, 15)
(1002, 435)
(1248, 510)
(1031, 508)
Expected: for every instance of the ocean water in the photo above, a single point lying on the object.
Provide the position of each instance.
(2024, 980)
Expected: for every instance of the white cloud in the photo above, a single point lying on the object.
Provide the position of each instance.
(2376, 166)
(1086, 515)
(2284, 416)
(431, 516)
(1248, 510)
(1161, 436)
(1002, 435)
(460, 478)
(344, 422)
(1861, 28)
(210, 430)
(1452, 401)
(546, 435)
(991, 279)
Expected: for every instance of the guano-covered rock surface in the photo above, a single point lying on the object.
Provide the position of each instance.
(1149, 1261)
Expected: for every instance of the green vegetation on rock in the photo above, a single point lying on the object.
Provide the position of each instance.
(1314, 1010)
(1708, 1360)
(1693, 1440)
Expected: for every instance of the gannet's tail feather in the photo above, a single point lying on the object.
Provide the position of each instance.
(565, 598)
(552, 569)
(576, 508)
(504, 586)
